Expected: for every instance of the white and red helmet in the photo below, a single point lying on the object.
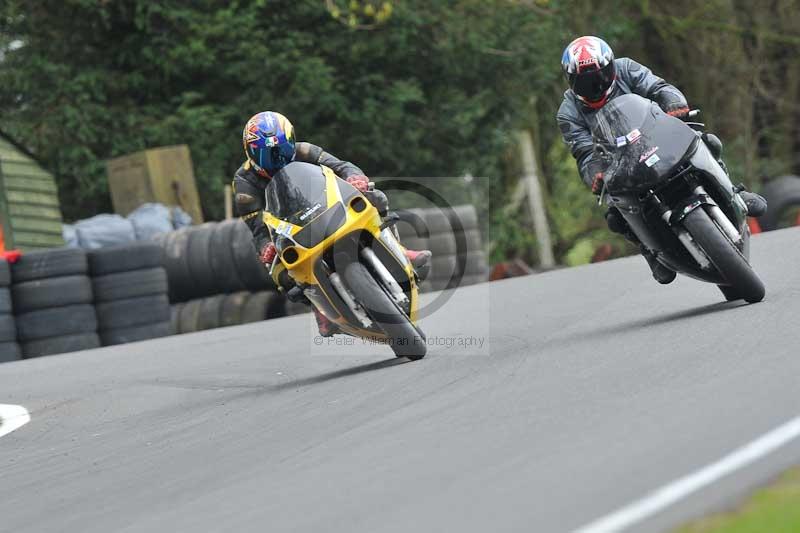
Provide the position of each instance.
(588, 64)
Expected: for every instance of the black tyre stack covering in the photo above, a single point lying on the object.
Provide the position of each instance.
(442, 243)
(470, 256)
(211, 259)
(130, 292)
(224, 310)
(52, 299)
(9, 349)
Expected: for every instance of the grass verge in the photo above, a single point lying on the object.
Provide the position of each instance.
(773, 509)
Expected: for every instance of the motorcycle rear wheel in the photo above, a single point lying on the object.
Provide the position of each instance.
(405, 339)
(728, 260)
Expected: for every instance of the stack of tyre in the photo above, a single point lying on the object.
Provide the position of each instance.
(52, 299)
(454, 238)
(226, 310)
(130, 292)
(471, 263)
(212, 259)
(783, 198)
(9, 349)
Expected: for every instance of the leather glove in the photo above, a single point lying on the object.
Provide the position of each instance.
(267, 255)
(597, 183)
(678, 112)
(360, 182)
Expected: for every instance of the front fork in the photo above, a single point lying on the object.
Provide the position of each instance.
(700, 200)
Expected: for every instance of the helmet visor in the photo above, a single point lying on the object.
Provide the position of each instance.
(592, 85)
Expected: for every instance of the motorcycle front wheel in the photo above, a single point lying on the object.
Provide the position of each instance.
(404, 339)
(726, 257)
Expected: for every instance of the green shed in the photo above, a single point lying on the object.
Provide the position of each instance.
(30, 214)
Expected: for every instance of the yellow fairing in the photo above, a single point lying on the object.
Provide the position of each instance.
(302, 268)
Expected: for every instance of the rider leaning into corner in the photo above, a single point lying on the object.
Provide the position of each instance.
(269, 144)
(595, 78)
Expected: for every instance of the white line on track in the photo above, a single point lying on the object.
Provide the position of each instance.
(680, 488)
(12, 417)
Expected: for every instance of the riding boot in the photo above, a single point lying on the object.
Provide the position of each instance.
(661, 273)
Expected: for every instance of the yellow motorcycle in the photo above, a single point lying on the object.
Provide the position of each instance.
(343, 257)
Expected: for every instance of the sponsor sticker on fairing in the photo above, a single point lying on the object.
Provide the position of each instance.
(648, 153)
(634, 136)
(652, 160)
(621, 141)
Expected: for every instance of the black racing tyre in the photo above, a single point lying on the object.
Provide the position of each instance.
(210, 312)
(133, 312)
(135, 334)
(49, 264)
(223, 264)
(426, 286)
(252, 272)
(782, 195)
(176, 263)
(473, 279)
(5, 273)
(8, 328)
(174, 318)
(277, 306)
(56, 322)
(464, 215)
(204, 283)
(190, 316)
(10, 351)
(728, 260)
(296, 308)
(469, 241)
(415, 243)
(231, 311)
(255, 310)
(132, 284)
(61, 344)
(405, 339)
(730, 293)
(442, 243)
(51, 292)
(437, 221)
(474, 263)
(124, 257)
(441, 284)
(443, 270)
(5, 301)
(412, 224)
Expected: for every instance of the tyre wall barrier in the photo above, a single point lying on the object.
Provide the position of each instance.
(130, 292)
(9, 348)
(454, 238)
(224, 310)
(211, 259)
(783, 200)
(52, 299)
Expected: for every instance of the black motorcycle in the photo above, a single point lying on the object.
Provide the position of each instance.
(675, 196)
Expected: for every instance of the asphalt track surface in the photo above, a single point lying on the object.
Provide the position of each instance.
(596, 386)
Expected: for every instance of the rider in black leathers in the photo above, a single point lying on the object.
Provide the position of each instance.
(595, 77)
(269, 144)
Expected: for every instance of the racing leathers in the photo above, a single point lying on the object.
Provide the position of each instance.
(250, 199)
(576, 120)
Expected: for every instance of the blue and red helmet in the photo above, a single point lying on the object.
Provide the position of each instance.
(588, 64)
(269, 142)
